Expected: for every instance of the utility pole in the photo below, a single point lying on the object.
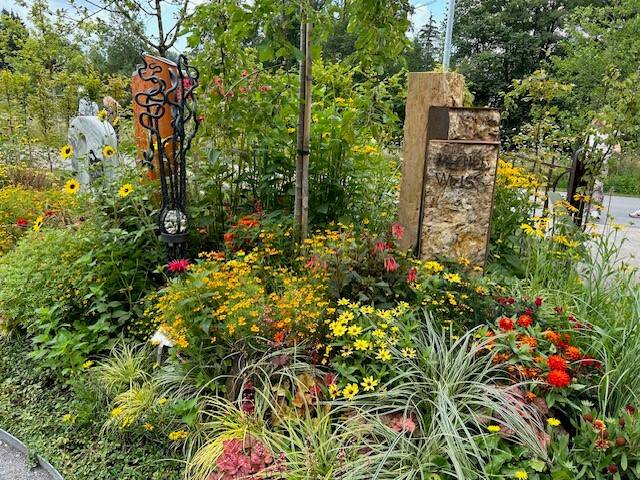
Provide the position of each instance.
(448, 37)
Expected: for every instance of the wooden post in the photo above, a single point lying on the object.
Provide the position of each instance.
(301, 207)
(426, 89)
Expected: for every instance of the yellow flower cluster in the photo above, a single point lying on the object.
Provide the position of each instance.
(537, 228)
(178, 435)
(362, 336)
(22, 204)
(514, 177)
(226, 299)
(366, 149)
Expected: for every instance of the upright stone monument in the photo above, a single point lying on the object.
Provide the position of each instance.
(458, 182)
(426, 89)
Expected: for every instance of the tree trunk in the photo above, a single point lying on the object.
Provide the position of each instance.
(301, 207)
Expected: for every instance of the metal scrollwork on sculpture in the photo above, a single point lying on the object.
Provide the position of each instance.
(169, 142)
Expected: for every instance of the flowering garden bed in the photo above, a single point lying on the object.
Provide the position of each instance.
(343, 357)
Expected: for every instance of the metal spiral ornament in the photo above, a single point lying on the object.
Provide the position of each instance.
(170, 152)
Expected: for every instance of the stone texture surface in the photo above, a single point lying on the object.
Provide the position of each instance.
(13, 466)
(474, 124)
(458, 196)
(425, 89)
(88, 134)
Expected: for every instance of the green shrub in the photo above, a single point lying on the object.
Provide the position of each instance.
(77, 288)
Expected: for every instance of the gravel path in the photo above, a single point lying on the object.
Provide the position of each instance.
(13, 466)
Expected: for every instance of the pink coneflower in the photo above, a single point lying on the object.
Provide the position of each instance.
(178, 266)
(412, 275)
(397, 230)
(390, 264)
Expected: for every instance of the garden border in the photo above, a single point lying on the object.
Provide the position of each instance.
(16, 444)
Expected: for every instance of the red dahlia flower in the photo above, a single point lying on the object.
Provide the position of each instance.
(505, 323)
(556, 362)
(178, 266)
(558, 378)
(22, 222)
(525, 320)
(538, 301)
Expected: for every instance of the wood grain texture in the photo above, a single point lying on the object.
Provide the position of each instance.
(426, 89)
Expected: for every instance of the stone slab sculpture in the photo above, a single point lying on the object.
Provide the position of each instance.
(88, 136)
(458, 183)
(87, 108)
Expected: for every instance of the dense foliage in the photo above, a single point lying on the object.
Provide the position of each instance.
(342, 356)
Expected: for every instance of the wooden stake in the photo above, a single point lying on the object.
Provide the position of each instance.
(301, 207)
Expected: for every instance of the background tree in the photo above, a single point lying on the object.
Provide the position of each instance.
(117, 47)
(12, 36)
(135, 17)
(497, 41)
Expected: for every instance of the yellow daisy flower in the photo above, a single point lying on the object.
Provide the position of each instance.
(125, 190)
(37, 225)
(361, 344)
(553, 422)
(72, 186)
(108, 151)
(66, 151)
(384, 355)
(521, 475)
(102, 115)
(350, 391)
(369, 384)
(494, 428)
(354, 330)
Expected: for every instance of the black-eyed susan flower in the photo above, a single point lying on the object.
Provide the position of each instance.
(72, 186)
(37, 225)
(350, 391)
(125, 190)
(66, 151)
(102, 115)
(108, 151)
(369, 384)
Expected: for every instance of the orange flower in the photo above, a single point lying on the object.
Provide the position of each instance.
(525, 320)
(552, 336)
(572, 353)
(558, 378)
(228, 238)
(556, 362)
(527, 340)
(530, 396)
(279, 337)
(248, 222)
(600, 425)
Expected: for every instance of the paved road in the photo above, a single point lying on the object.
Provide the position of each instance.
(628, 238)
(620, 208)
(13, 466)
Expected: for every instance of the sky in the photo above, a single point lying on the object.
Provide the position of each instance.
(423, 9)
